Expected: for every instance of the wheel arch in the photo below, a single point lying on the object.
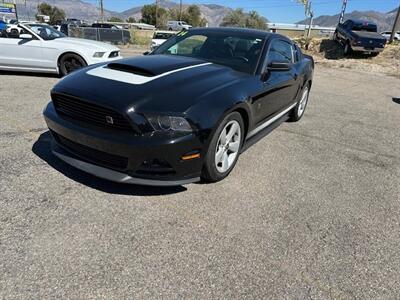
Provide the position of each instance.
(245, 116)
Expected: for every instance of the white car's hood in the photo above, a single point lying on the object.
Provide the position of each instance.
(86, 44)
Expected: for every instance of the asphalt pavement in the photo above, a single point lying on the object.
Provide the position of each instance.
(312, 211)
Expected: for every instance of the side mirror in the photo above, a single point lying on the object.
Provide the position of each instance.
(26, 36)
(278, 66)
(146, 53)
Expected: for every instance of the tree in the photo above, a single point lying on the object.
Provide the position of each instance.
(56, 14)
(254, 20)
(149, 15)
(190, 15)
(115, 19)
(193, 16)
(131, 20)
(238, 18)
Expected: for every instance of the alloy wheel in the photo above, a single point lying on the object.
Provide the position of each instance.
(303, 102)
(228, 146)
(72, 64)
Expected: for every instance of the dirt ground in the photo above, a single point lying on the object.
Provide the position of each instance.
(329, 53)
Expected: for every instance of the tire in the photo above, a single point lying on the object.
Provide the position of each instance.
(347, 49)
(298, 111)
(215, 169)
(335, 37)
(70, 62)
(170, 29)
(375, 54)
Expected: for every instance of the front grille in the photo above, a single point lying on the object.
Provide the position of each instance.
(114, 54)
(89, 113)
(92, 155)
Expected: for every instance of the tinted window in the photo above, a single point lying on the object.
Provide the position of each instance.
(365, 27)
(237, 51)
(280, 51)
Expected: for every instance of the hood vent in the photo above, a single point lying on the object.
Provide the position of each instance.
(130, 69)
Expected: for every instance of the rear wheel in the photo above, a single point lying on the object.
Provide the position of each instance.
(299, 109)
(224, 149)
(70, 62)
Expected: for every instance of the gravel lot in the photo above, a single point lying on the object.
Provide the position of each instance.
(311, 211)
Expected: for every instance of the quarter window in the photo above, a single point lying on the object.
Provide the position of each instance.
(280, 51)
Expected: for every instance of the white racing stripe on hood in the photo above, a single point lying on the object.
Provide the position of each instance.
(130, 78)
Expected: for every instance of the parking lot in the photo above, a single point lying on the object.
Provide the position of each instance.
(310, 211)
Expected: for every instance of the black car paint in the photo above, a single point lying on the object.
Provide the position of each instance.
(203, 95)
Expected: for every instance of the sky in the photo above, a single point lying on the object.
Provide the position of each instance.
(282, 11)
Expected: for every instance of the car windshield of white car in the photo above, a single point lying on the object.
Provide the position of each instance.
(238, 51)
(46, 32)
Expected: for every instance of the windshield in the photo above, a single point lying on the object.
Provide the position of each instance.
(46, 32)
(240, 52)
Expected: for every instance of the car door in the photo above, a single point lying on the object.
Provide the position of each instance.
(279, 88)
(17, 53)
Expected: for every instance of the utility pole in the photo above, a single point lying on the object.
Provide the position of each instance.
(156, 13)
(396, 26)
(180, 10)
(341, 18)
(101, 11)
(310, 13)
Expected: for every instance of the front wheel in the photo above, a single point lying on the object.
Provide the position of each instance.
(347, 49)
(224, 149)
(71, 62)
(299, 109)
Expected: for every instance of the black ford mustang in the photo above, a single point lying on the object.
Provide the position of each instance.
(184, 111)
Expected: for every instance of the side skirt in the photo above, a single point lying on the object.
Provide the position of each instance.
(266, 128)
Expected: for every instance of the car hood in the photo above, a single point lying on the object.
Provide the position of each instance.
(83, 43)
(153, 83)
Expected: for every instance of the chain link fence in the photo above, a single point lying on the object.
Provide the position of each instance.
(114, 36)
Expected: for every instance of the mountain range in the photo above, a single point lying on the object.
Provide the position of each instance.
(384, 21)
(86, 11)
(212, 12)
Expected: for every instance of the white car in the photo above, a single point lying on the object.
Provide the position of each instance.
(387, 35)
(40, 48)
(160, 37)
(178, 25)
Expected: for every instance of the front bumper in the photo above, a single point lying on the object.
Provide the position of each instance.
(124, 156)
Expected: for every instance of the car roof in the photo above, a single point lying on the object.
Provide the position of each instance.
(236, 30)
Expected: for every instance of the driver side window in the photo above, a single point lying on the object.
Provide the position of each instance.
(280, 51)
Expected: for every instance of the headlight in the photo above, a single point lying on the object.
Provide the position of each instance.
(99, 54)
(169, 123)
